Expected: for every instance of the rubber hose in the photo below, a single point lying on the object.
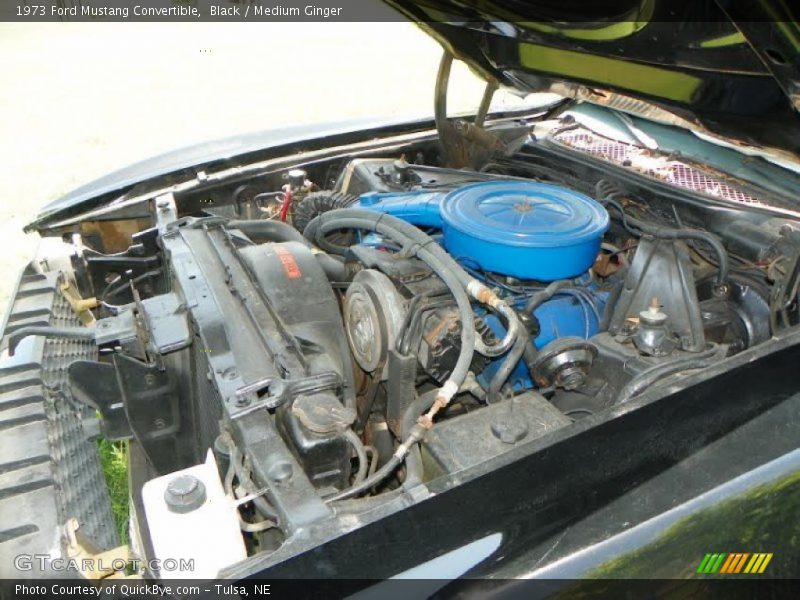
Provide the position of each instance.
(334, 267)
(623, 215)
(317, 203)
(357, 505)
(361, 453)
(508, 365)
(427, 250)
(530, 355)
(373, 459)
(408, 234)
(387, 224)
(542, 296)
(256, 527)
(234, 466)
(691, 234)
(651, 376)
(611, 302)
(416, 434)
(671, 233)
(268, 230)
(369, 482)
(262, 231)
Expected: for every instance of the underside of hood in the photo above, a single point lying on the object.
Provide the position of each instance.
(728, 67)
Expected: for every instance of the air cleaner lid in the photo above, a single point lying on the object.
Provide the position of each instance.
(524, 213)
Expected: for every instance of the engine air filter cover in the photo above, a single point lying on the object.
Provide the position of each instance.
(524, 229)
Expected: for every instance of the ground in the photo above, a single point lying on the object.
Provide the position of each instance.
(81, 99)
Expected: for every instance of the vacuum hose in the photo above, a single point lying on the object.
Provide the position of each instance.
(637, 228)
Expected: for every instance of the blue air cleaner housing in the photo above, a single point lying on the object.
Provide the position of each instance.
(523, 229)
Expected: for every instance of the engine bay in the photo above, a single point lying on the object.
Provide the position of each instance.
(322, 342)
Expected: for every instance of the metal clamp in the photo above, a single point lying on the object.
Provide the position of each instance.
(279, 391)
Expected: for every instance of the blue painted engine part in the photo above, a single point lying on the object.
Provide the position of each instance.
(571, 312)
(523, 229)
(418, 208)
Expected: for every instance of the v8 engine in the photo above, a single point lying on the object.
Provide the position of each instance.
(506, 234)
(287, 377)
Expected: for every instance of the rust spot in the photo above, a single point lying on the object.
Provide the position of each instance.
(435, 333)
(485, 296)
(425, 421)
(605, 265)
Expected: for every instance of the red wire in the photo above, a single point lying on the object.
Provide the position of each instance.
(287, 202)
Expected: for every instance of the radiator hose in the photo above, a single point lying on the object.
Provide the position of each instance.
(261, 231)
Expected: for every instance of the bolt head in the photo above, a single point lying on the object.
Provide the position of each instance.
(571, 378)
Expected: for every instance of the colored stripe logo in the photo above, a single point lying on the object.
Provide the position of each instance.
(734, 562)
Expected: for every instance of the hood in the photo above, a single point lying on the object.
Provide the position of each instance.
(186, 163)
(732, 73)
(730, 68)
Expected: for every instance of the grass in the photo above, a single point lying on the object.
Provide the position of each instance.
(761, 519)
(114, 459)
